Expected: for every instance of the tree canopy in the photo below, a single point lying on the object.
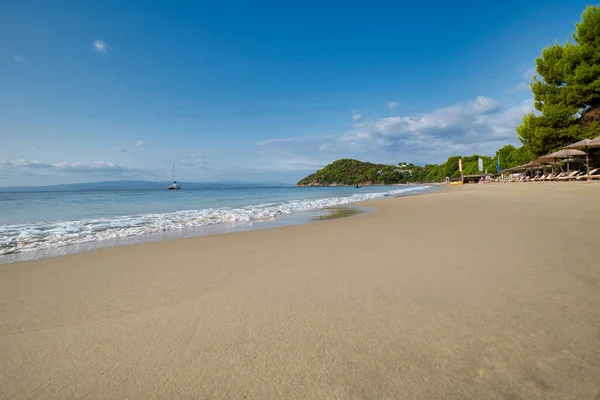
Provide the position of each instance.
(566, 90)
(350, 172)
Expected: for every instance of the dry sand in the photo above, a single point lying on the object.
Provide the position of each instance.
(482, 292)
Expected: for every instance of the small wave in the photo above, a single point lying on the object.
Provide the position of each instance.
(43, 235)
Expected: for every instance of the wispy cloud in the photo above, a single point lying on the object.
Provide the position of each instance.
(474, 125)
(141, 143)
(101, 46)
(98, 168)
(271, 143)
(526, 78)
(481, 125)
(18, 58)
(392, 105)
(522, 86)
(529, 73)
(295, 153)
(356, 116)
(201, 163)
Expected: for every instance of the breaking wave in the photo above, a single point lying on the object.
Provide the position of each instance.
(44, 235)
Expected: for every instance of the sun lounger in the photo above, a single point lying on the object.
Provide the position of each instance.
(594, 174)
(549, 177)
(572, 175)
(559, 176)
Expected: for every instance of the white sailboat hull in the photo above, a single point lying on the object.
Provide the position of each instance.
(174, 185)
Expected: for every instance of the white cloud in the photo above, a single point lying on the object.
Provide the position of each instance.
(529, 73)
(101, 46)
(392, 105)
(356, 116)
(98, 168)
(18, 58)
(294, 163)
(272, 143)
(294, 153)
(201, 163)
(479, 126)
(141, 143)
(522, 86)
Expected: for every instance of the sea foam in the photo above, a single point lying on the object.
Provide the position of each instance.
(45, 235)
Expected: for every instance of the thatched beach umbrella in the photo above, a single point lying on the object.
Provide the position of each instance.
(531, 165)
(517, 168)
(586, 145)
(564, 153)
(509, 170)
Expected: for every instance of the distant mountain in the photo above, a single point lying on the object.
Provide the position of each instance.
(134, 185)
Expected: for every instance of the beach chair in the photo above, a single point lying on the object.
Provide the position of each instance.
(594, 174)
(548, 177)
(562, 174)
(570, 176)
(567, 176)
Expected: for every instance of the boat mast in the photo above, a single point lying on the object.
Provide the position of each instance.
(173, 171)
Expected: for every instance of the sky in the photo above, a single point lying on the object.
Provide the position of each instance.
(261, 91)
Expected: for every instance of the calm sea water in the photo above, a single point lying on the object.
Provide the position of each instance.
(37, 221)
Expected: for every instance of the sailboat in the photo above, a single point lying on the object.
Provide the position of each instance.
(174, 185)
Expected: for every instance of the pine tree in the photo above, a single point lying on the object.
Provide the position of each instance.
(566, 90)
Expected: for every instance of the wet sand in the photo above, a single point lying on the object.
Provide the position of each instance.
(482, 291)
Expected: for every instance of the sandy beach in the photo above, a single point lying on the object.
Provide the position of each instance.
(480, 292)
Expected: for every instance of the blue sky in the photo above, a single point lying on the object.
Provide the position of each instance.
(261, 91)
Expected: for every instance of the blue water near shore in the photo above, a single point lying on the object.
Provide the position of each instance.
(40, 222)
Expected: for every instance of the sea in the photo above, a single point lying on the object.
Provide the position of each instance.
(45, 224)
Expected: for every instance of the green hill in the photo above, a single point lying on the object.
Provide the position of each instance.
(351, 172)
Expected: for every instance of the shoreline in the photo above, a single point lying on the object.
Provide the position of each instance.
(187, 223)
(282, 220)
(482, 291)
(371, 184)
(294, 219)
